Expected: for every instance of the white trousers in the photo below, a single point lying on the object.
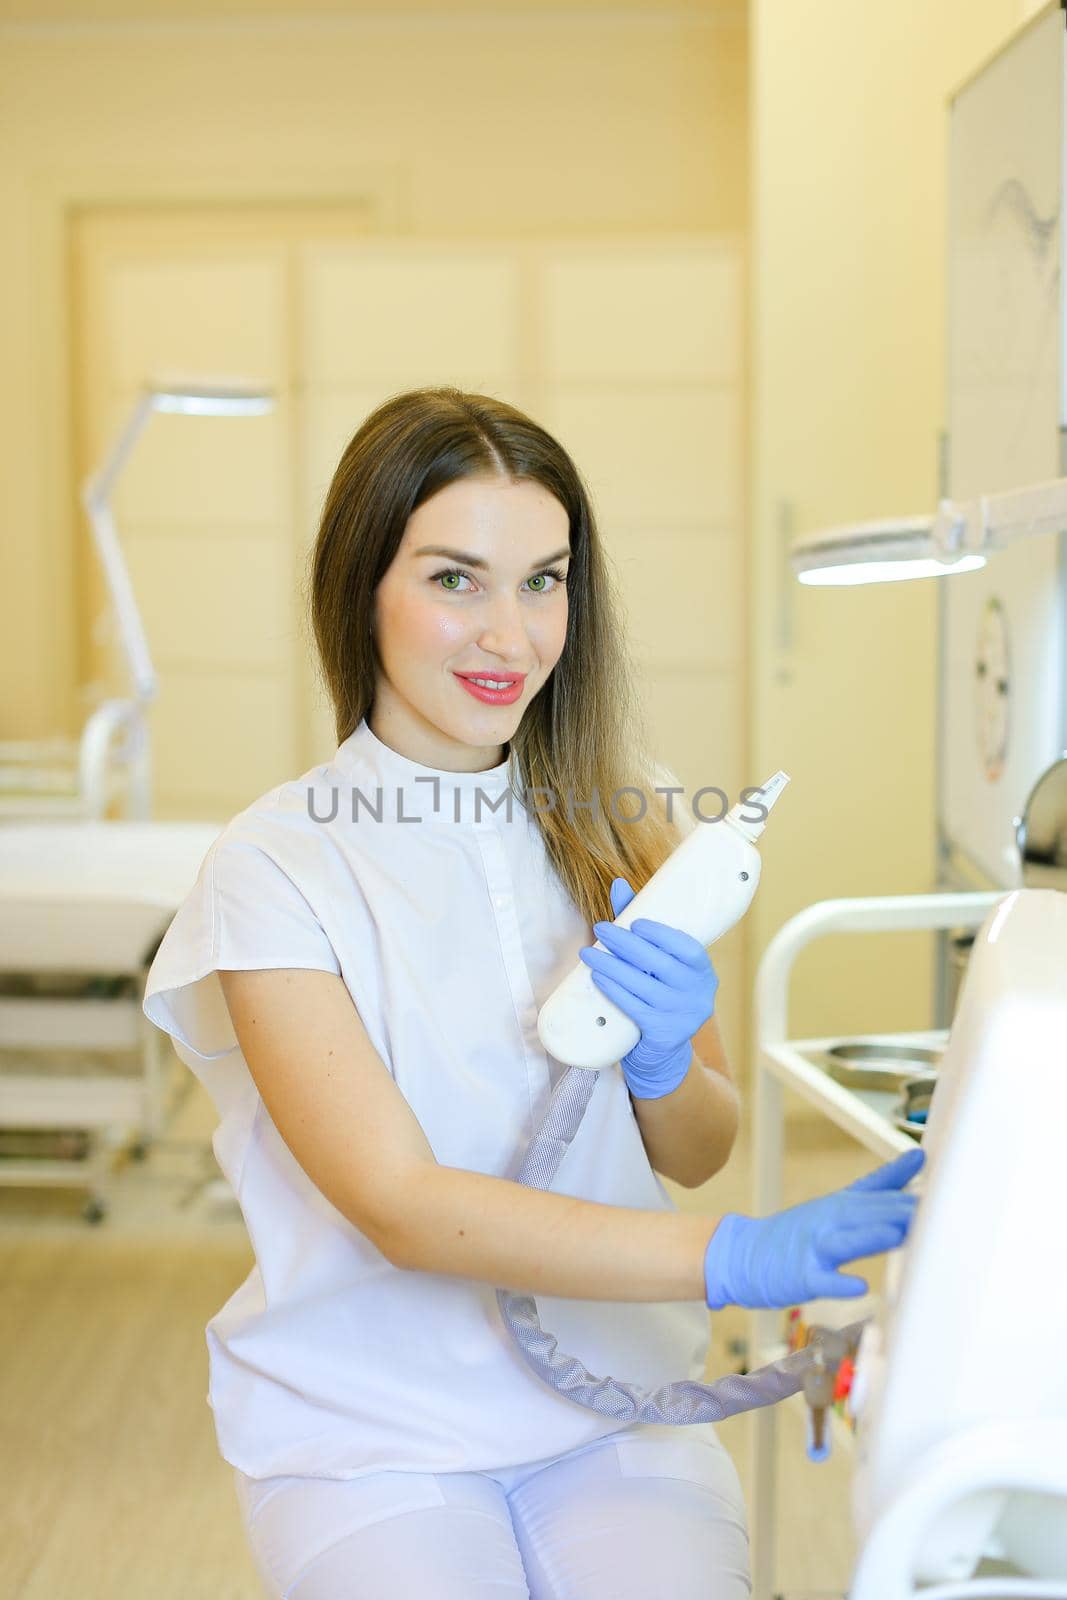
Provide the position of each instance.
(653, 1509)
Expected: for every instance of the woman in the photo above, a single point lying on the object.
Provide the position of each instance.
(356, 979)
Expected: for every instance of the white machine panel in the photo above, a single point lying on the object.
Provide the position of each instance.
(1003, 655)
(971, 1335)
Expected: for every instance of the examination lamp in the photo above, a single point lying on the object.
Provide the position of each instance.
(188, 399)
(957, 539)
(193, 399)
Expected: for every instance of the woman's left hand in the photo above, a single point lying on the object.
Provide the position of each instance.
(664, 981)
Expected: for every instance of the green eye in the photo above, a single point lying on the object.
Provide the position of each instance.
(558, 576)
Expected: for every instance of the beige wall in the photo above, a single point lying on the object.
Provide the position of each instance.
(849, 127)
(472, 123)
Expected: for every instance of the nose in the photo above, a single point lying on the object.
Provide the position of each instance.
(503, 633)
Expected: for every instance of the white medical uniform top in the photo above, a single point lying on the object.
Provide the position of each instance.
(450, 928)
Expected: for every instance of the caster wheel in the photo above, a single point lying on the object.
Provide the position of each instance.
(94, 1211)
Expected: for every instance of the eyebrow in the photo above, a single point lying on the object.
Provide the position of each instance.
(476, 561)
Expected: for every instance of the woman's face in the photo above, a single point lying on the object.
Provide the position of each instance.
(489, 606)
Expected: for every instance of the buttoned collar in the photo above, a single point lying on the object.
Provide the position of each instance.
(378, 779)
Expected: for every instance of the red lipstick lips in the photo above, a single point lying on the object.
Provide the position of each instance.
(499, 697)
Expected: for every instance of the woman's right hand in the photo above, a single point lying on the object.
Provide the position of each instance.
(791, 1256)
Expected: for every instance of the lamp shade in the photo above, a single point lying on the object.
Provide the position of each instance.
(212, 400)
(876, 552)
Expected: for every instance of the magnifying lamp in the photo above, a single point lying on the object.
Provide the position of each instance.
(195, 399)
(958, 539)
(65, 778)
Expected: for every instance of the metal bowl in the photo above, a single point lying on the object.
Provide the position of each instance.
(881, 1066)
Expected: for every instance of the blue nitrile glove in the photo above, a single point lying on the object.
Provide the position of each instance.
(790, 1256)
(664, 981)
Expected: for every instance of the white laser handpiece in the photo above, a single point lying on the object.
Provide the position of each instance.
(705, 885)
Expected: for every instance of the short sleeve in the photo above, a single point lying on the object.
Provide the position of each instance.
(244, 912)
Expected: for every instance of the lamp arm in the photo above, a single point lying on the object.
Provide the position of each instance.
(98, 486)
(993, 521)
(1039, 508)
(97, 760)
(95, 492)
(131, 629)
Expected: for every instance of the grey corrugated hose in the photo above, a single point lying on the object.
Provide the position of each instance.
(681, 1402)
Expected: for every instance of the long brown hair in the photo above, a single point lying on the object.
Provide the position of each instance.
(584, 731)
